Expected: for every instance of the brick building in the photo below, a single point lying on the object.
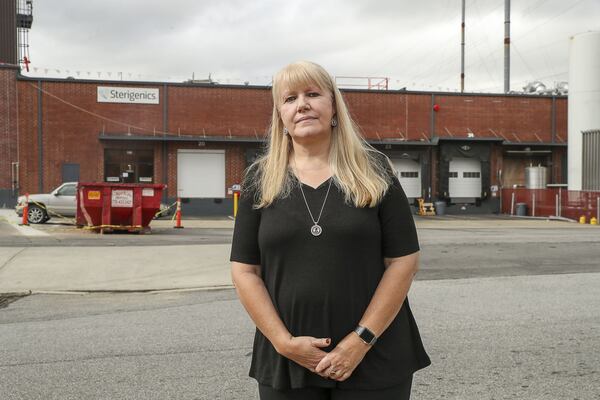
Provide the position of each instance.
(198, 138)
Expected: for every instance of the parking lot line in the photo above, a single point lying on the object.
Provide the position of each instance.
(28, 230)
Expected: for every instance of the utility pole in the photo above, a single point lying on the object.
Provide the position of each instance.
(462, 49)
(506, 46)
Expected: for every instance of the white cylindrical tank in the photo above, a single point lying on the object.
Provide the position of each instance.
(584, 98)
(536, 177)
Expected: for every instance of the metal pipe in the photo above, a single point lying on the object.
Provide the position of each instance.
(528, 151)
(512, 204)
(585, 161)
(556, 205)
(553, 120)
(40, 139)
(500, 191)
(165, 147)
(15, 176)
(500, 199)
(559, 202)
(432, 119)
(533, 207)
(598, 208)
(462, 49)
(506, 46)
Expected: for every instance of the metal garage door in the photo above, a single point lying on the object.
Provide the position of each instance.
(201, 173)
(464, 180)
(409, 175)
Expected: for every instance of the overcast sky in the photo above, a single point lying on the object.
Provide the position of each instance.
(414, 43)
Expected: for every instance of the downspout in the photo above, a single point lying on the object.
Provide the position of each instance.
(165, 149)
(40, 141)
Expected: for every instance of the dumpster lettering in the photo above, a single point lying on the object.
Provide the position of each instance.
(148, 192)
(122, 198)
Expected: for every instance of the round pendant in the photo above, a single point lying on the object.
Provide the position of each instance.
(316, 230)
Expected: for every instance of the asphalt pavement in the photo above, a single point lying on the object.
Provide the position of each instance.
(507, 309)
(59, 257)
(517, 337)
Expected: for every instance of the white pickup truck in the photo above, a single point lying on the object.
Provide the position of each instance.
(60, 202)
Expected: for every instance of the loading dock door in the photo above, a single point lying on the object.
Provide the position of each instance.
(464, 180)
(201, 173)
(409, 175)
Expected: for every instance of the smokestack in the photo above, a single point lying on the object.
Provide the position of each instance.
(8, 32)
(462, 50)
(506, 46)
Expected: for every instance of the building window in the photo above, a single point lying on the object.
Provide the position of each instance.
(129, 165)
(409, 174)
(453, 174)
(471, 175)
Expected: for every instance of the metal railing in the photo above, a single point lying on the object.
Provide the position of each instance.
(553, 202)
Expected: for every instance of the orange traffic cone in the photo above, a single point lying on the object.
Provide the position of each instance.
(25, 220)
(178, 215)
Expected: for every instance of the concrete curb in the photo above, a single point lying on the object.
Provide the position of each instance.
(16, 294)
(124, 291)
(550, 218)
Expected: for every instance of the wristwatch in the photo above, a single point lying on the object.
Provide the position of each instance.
(366, 335)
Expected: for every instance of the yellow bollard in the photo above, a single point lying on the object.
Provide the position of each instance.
(236, 196)
(593, 221)
(582, 219)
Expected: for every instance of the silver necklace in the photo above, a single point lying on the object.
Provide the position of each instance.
(316, 229)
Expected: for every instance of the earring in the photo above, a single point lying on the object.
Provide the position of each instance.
(285, 131)
(333, 122)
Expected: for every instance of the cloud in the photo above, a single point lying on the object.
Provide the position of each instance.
(416, 44)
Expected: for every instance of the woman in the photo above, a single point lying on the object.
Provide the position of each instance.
(324, 252)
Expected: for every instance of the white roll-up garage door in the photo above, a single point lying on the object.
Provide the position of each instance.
(464, 182)
(201, 173)
(409, 175)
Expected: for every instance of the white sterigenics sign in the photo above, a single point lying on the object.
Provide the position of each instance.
(110, 94)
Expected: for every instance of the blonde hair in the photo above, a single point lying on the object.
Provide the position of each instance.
(356, 166)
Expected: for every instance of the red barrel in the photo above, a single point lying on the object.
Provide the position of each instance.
(106, 206)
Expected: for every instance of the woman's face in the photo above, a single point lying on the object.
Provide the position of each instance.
(306, 112)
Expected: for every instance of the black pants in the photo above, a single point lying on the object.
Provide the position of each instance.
(399, 392)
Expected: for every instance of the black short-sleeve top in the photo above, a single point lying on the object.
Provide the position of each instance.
(321, 286)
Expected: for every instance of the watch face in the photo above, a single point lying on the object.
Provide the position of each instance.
(366, 335)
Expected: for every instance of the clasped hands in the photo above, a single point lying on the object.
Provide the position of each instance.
(338, 364)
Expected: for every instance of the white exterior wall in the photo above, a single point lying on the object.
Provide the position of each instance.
(584, 98)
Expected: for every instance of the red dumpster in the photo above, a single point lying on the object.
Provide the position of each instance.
(106, 206)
